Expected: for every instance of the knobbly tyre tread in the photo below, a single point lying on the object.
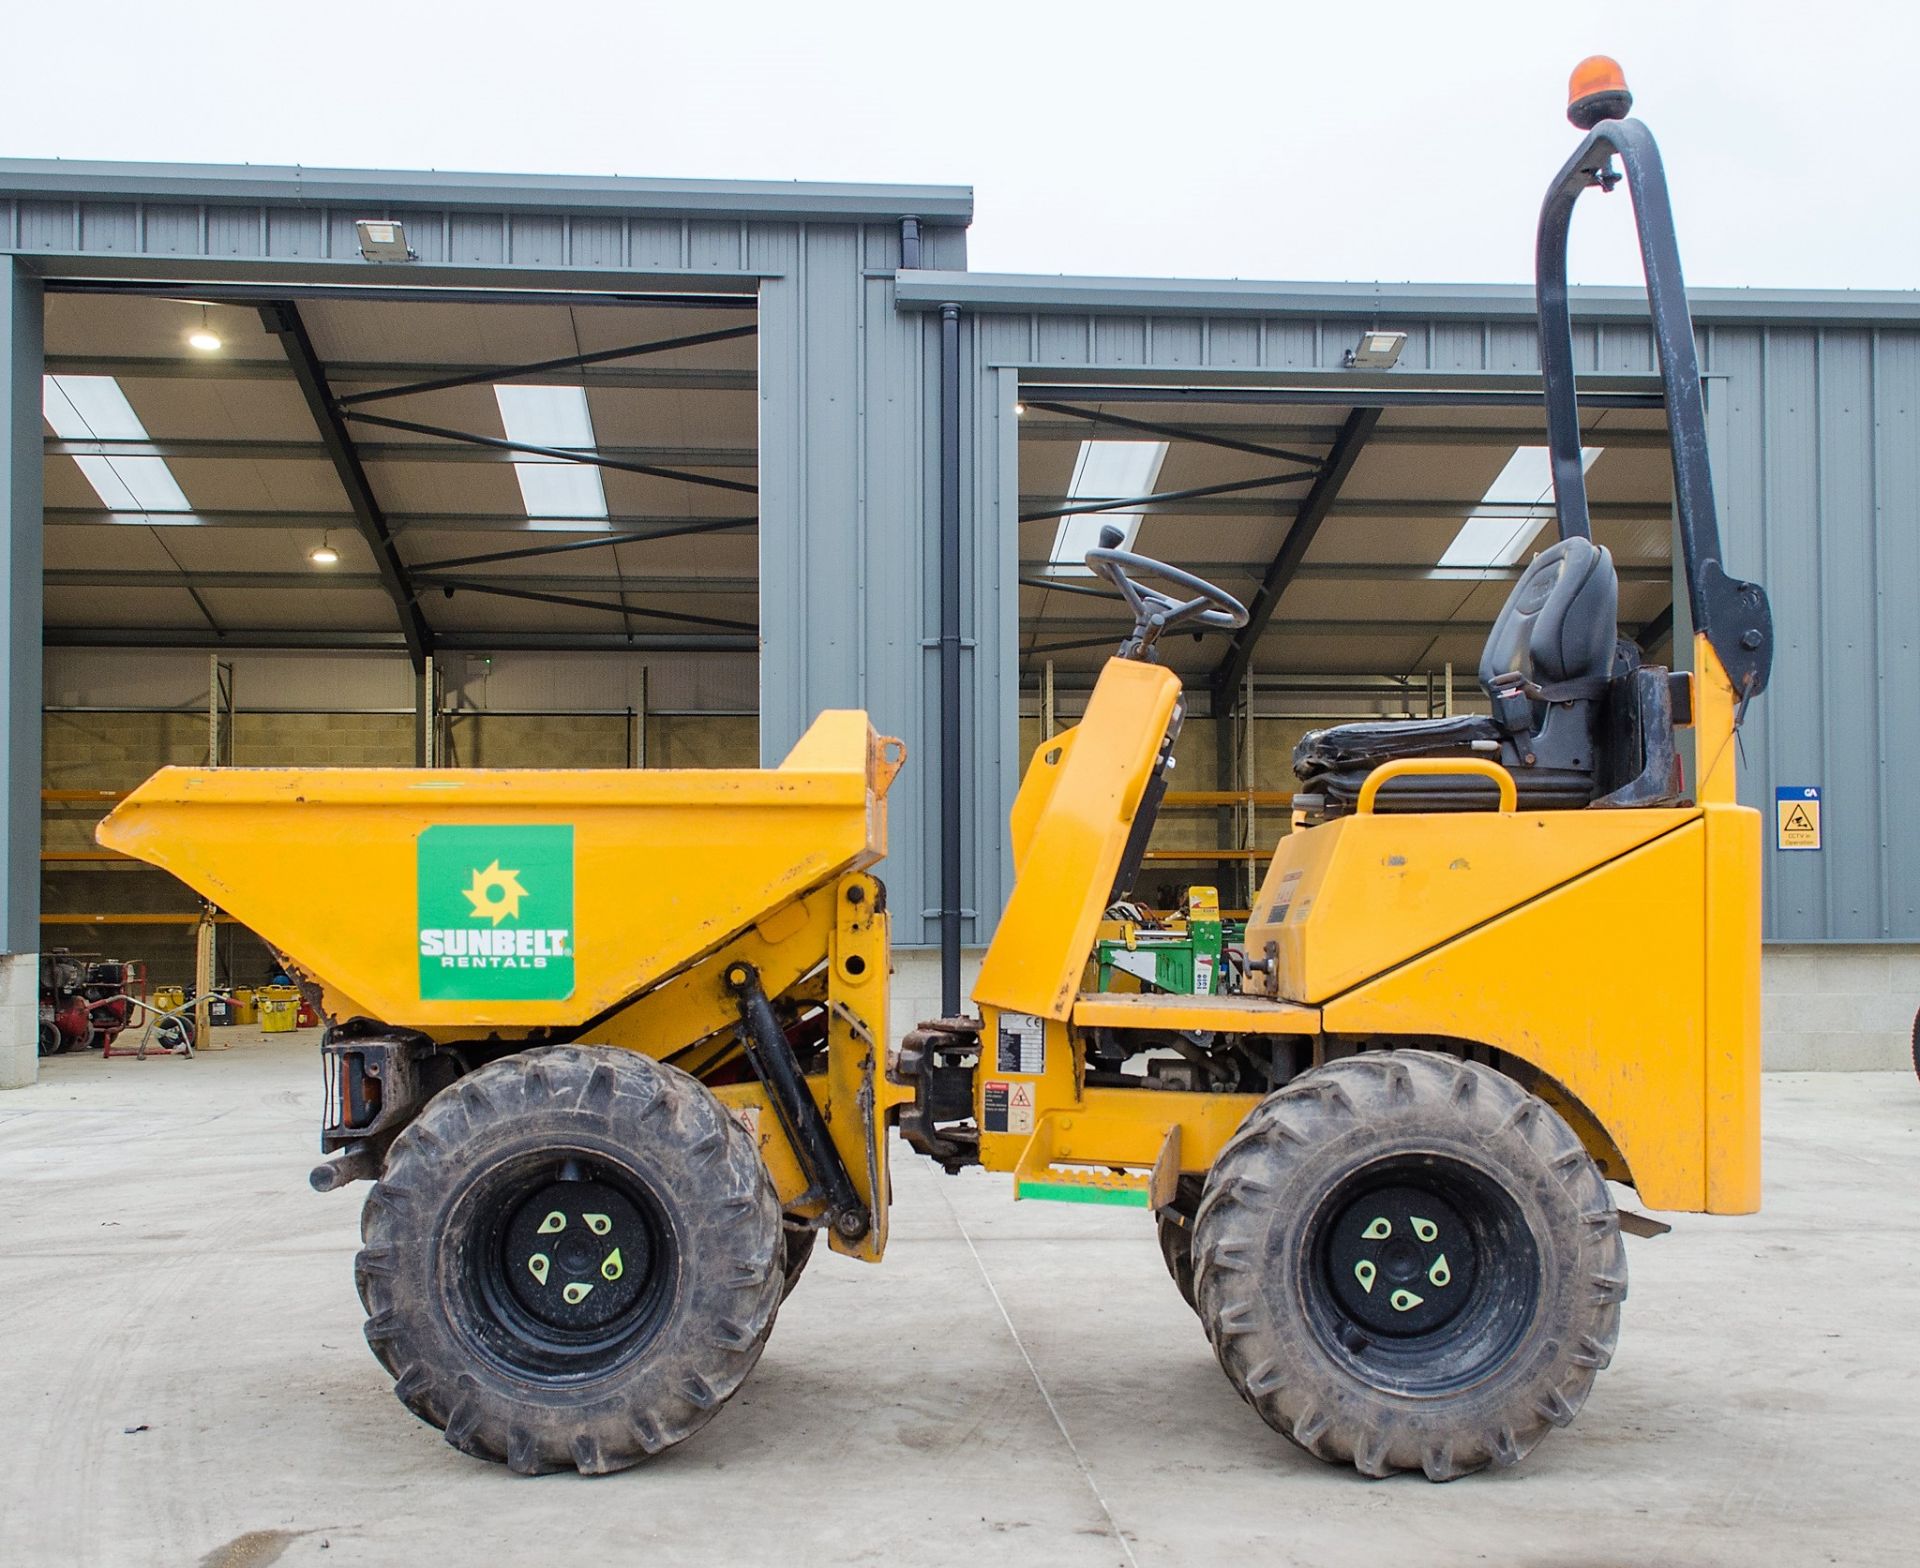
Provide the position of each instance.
(1349, 1113)
(727, 1292)
(1176, 1238)
(796, 1252)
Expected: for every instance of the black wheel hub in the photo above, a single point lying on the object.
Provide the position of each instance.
(1401, 1261)
(1420, 1273)
(571, 1267)
(577, 1255)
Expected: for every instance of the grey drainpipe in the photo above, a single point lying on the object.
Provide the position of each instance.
(950, 661)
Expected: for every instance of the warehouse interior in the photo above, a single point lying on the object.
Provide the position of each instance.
(352, 529)
(1376, 543)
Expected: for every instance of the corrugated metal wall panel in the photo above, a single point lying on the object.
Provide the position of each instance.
(536, 240)
(1896, 511)
(1848, 615)
(111, 226)
(298, 234)
(233, 231)
(596, 242)
(478, 237)
(848, 470)
(1816, 438)
(1817, 445)
(46, 225)
(172, 228)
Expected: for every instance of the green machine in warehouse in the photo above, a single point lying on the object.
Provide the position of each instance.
(1188, 954)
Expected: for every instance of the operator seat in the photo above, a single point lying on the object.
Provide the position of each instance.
(1546, 670)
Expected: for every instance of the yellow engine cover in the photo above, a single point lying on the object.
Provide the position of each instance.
(1351, 899)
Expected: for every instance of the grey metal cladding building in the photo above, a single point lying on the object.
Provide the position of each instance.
(1813, 399)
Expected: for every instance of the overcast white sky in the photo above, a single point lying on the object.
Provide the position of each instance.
(1344, 139)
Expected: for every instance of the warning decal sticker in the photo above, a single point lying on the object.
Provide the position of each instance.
(1283, 898)
(1006, 1107)
(1022, 1044)
(1796, 810)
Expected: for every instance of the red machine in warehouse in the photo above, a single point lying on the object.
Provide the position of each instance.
(86, 1000)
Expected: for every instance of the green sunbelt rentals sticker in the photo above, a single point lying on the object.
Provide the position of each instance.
(496, 913)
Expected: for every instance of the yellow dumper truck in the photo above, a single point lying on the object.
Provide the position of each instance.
(611, 1045)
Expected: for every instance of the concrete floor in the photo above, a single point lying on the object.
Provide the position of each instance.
(182, 1378)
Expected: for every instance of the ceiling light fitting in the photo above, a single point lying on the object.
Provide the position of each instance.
(203, 337)
(384, 239)
(1377, 351)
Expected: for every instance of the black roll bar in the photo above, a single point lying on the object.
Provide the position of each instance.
(1734, 615)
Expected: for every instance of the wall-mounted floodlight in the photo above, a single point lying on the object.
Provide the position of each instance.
(1377, 351)
(384, 239)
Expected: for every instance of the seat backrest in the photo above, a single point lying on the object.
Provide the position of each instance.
(1561, 620)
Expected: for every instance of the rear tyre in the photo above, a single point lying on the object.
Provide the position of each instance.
(573, 1258)
(1406, 1262)
(1175, 1224)
(797, 1242)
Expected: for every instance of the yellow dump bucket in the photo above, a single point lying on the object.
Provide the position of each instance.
(463, 898)
(277, 1014)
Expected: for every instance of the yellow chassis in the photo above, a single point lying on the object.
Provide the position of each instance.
(1608, 959)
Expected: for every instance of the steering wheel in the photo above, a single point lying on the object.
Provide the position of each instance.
(1154, 612)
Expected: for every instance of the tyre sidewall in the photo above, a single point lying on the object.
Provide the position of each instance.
(712, 1197)
(1274, 1345)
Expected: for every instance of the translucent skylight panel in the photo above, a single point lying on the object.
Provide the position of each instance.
(1104, 471)
(554, 417)
(93, 408)
(1519, 503)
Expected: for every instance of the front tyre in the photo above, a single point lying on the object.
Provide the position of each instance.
(573, 1257)
(1406, 1262)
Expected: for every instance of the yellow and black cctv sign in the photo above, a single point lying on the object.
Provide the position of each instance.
(1796, 816)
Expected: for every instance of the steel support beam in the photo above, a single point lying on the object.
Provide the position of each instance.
(1371, 510)
(1230, 443)
(21, 345)
(459, 446)
(488, 375)
(197, 290)
(599, 458)
(153, 367)
(1033, 573)
(597, 542)
(1314, 507)
(283, 320)
(1059, 430)
(586, 533)
(331, 581)
(951, 900)
(1163, 497)
(298, 639)
(1355, 396)
(1656, 631)
(618, 606)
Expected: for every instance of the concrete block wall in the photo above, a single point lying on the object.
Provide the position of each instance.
(1839, 1007)
(916, 986)
(510, 740)
(117, 751)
